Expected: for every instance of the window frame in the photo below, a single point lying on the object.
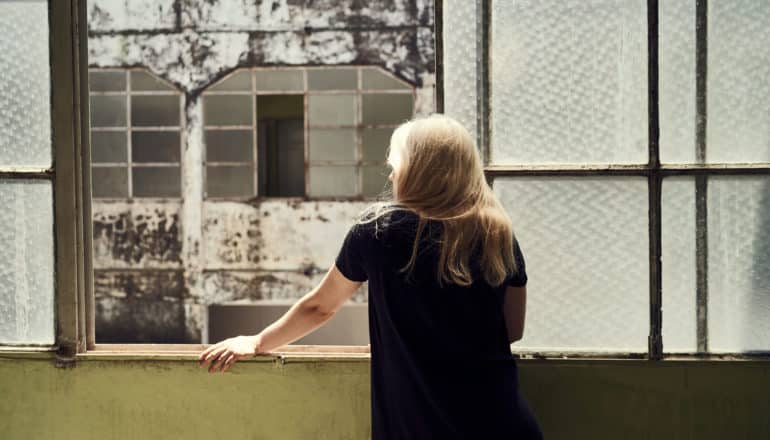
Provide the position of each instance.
(653, 170)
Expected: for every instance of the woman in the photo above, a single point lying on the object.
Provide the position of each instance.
(447, 296)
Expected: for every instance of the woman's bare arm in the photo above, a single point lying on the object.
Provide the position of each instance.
(514, 309)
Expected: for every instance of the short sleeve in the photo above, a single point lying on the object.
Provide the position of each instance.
(519, 279)
(351, 257)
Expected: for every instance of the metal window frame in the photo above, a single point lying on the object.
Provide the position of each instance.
(653, 170)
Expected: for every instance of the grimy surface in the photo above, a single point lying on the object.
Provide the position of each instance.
(329, 399)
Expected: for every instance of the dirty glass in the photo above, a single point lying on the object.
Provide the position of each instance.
(229, 145)
(229, 181)
(374, 178)
(568, 91)
(460, 54)
(155, 110)
(142, 81)
(25, 94)
(392, 108)
(108, 146)
(26, 260)
(280, 79)
(585, 242)
(155, 146)
(108, 111)
(156, 181)
(374, 79)
(239, 81)
(109, 182)
(332, 109)
(333, 181)
(375, 142)
(332, 79)
(332, 144)
(227, 109)
(106, 81)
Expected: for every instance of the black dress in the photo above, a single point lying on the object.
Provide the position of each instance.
(441, 366)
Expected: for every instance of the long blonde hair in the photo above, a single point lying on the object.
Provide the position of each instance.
(440, 176)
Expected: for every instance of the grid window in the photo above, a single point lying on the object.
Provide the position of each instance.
(320, 132)
(136, 135)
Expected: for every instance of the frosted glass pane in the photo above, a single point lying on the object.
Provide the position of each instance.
(26, 262)
(331, 181)
(374, 178)
(585, 242)
(374, 79)
(393, 108)
(238, 81)
(678, 265)
(25, 95)
(333, 144)
(460, 52)
(280, 79)
(332, 109)
(569, 82)
(375, 143)
(738, 88)
(145, 82)
(332, 79)
(676, 54)
(738, 262)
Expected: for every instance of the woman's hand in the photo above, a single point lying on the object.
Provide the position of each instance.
(225, 353)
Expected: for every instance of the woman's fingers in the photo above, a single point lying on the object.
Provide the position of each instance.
(229, 361)
(213, 355)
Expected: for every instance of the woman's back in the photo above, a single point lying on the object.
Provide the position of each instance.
(441, 361)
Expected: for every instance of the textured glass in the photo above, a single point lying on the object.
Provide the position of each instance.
(229, 181)
(227, 110)
(106, 81)
(332, 144)
(678, 265)
(738, 88)
(108, 111)
(108, 146)
(25, 97)
(392, 108)
(585, 243)
(460, 55)
(229, 146)
(332, 109)
(738, 263)
(239, 81)
(145, 82)
(109, 182)
(156, 181)
(375, 142)
(26, 261)
(374, 79)
(375, 179)
(676, 44)
(155, 110)
(155, 146)
(331, 181)
(280, 79)
(569, 82)
(332, 79)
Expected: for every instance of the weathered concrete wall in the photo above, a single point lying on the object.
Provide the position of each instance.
(232, 251)
(174, 399)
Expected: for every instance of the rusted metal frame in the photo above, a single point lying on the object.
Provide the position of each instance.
(254, 126)
(129, 144)
(438, 32)
(701, 181)
(69, 110)
(483, 111)
(26, 173)
(359, 132)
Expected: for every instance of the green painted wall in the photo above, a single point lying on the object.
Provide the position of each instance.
(310, 399)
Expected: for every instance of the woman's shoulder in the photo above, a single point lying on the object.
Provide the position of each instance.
(381, 219)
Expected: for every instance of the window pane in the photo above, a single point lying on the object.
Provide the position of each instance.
(569, 82)
(238, 81)
(331, 181)
(229, 181)
(375, 179)
(143, 81)
(280, 107)
(280, 79)
(108, 146)
(738, 88)
(375, 143)
(738, 262)
(101, 81)
(376, 79)
(155, 146)
(332, 109)
(387, 109)
(229, 146)
(158, 111)
(332, 144)
(25, 124)
(460, 53)
(227, 110)
(585, 243)
(26, 260)
(108, 111)
(678, 265)
(156, 181)
(109, 182)
(332, 79)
